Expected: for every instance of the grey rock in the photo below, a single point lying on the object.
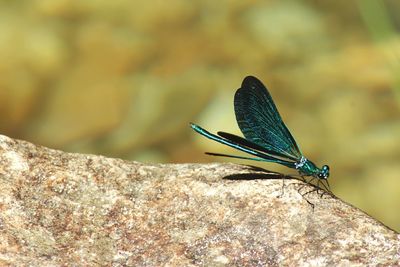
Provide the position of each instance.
(64, 209)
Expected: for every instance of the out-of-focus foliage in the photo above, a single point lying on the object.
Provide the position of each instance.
(124, 78)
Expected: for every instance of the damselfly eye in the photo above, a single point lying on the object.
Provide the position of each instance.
(324, 174)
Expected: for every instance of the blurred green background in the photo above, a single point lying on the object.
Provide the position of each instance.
(124, 78)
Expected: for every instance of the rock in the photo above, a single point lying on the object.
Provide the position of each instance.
(66, 209)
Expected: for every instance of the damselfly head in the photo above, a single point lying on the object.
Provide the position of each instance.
(324, 173)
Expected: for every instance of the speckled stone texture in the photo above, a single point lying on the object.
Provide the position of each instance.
(66, 209)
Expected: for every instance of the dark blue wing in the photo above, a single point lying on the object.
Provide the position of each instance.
(260, 122)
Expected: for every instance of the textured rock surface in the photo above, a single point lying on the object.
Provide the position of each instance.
(62, 209)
